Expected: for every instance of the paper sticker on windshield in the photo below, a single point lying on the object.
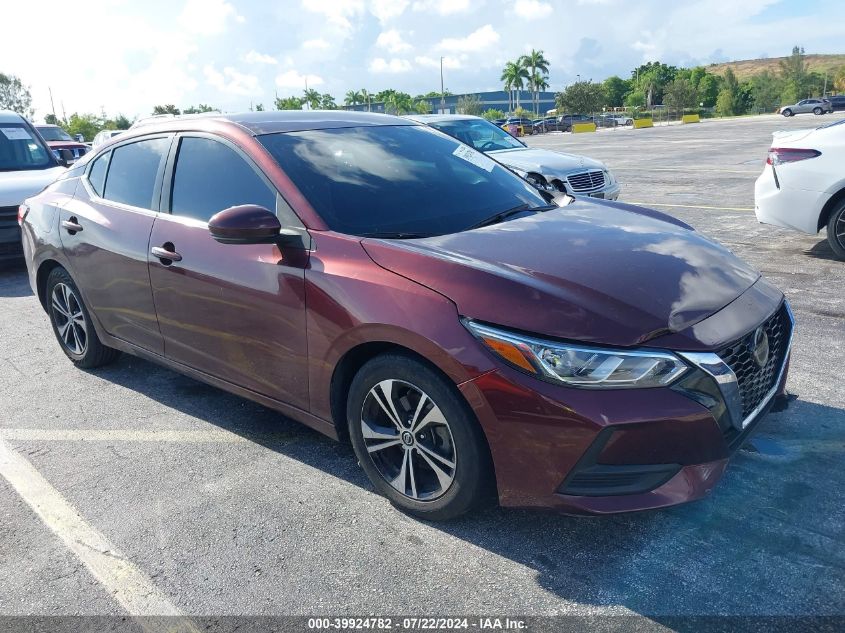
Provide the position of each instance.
(15, 133)
(476, 158)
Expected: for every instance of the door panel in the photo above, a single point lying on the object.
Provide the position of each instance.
(236, 312)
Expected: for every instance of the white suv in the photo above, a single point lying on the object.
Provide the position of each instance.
(26, 166)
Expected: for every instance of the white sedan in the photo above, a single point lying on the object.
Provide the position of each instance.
(802, 186)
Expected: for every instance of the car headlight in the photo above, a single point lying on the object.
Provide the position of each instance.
(535, 179)
(580, 365)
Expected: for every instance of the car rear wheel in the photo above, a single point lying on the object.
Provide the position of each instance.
(818, 111)
(416, 438)
(72, 323)
(836, 231)
(787, 112)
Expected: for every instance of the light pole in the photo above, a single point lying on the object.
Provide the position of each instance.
(442, 92)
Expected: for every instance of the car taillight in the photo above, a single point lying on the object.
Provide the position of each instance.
(22, 211)
(781, 155)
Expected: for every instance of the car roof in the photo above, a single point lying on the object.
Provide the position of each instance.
(7, 116)
(271, 122)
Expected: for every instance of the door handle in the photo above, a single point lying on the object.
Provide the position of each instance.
(71, 225)
(166, 255)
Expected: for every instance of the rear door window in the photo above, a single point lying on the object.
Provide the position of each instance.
(97, 173)
(133, 171)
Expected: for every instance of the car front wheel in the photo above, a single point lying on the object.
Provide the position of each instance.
(836, 231)
(416, 439)
(72, 323)
(787, 112)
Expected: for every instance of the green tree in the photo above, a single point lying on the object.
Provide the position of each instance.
(839, 79)
(166, 109)
(582, 97)
(708, 90)
(766, 89)
(327, 102)
(469, 104)
(51, 119)
(680, 94)
(421, 106)
(615, 89)
(353, 97)
(259, 107)
(312, 98)
(121, 122)
(366, 97)
(288, 103)
(492, 114)
(86, 124)
(538, 70)
(514, 76)
(732, 99)
(15, 96)
(635, 99)
(198, 109)
(652, 78)
(398, 103)
(793, 72)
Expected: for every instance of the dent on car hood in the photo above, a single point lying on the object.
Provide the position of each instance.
(544, 161)
(16, 186)
(591, 271)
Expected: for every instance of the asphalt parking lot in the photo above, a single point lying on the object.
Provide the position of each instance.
(190, 500)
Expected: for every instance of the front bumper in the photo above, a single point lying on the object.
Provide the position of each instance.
(585, 451)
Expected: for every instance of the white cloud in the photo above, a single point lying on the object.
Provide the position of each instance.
(293, 79)
(386, 10)
(337, 13)
(478, 40)
(207, 17)
(532, 9)
(442, 7)
(232, 81)
(430, 62)
(316, 44)
(392, 41)
(394, 65)
(254, 57)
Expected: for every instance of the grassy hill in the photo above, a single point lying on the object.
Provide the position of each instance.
(749, 67)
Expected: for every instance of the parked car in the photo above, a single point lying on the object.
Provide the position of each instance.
(623, 119)
(58, 140)
(593, 358)
(105, 135)
(545, 169)
(27, 165)
(837, 102)
(802, 186)
(816, 106)
(545, 124)
(606, 120)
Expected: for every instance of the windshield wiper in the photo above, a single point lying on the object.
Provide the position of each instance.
(504, 215)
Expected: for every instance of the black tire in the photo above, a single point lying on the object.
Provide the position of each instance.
(787, 112)
(472, 475)
(818, 111)
(72, 323)
(836, 231)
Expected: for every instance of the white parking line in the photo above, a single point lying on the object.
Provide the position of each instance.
(122, 435)
(745, 172)
(130, 587)
(688, 206)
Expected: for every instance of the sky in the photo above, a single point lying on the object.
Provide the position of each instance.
(122, 56)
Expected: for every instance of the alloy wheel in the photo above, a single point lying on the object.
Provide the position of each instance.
(408, 439)
(839, 230)
(69, 319)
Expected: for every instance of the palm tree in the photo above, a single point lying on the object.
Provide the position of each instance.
(353, 97)
(535, 61)
(312, 98)
(366, 97)
(539, 82)
(513, 76)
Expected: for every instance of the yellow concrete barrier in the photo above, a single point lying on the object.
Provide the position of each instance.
(577, 128)
(690, 118)
(640, 123)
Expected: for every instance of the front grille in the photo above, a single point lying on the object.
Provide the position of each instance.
(586, 181)
(755, 381)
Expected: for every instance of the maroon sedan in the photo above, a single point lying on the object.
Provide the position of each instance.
(62, 144)
(379, 281)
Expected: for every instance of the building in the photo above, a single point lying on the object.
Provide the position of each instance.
(497, 100)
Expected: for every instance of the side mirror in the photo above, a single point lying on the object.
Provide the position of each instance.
(65, 157)
(251, 224)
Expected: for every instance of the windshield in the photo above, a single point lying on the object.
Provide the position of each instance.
(403, 180)
(50, 133)
(478, 133)
(20, 150)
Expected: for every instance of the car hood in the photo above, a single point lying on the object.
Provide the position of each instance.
(16, 186)
(543, 161)
(66, 144)
(592, 271)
